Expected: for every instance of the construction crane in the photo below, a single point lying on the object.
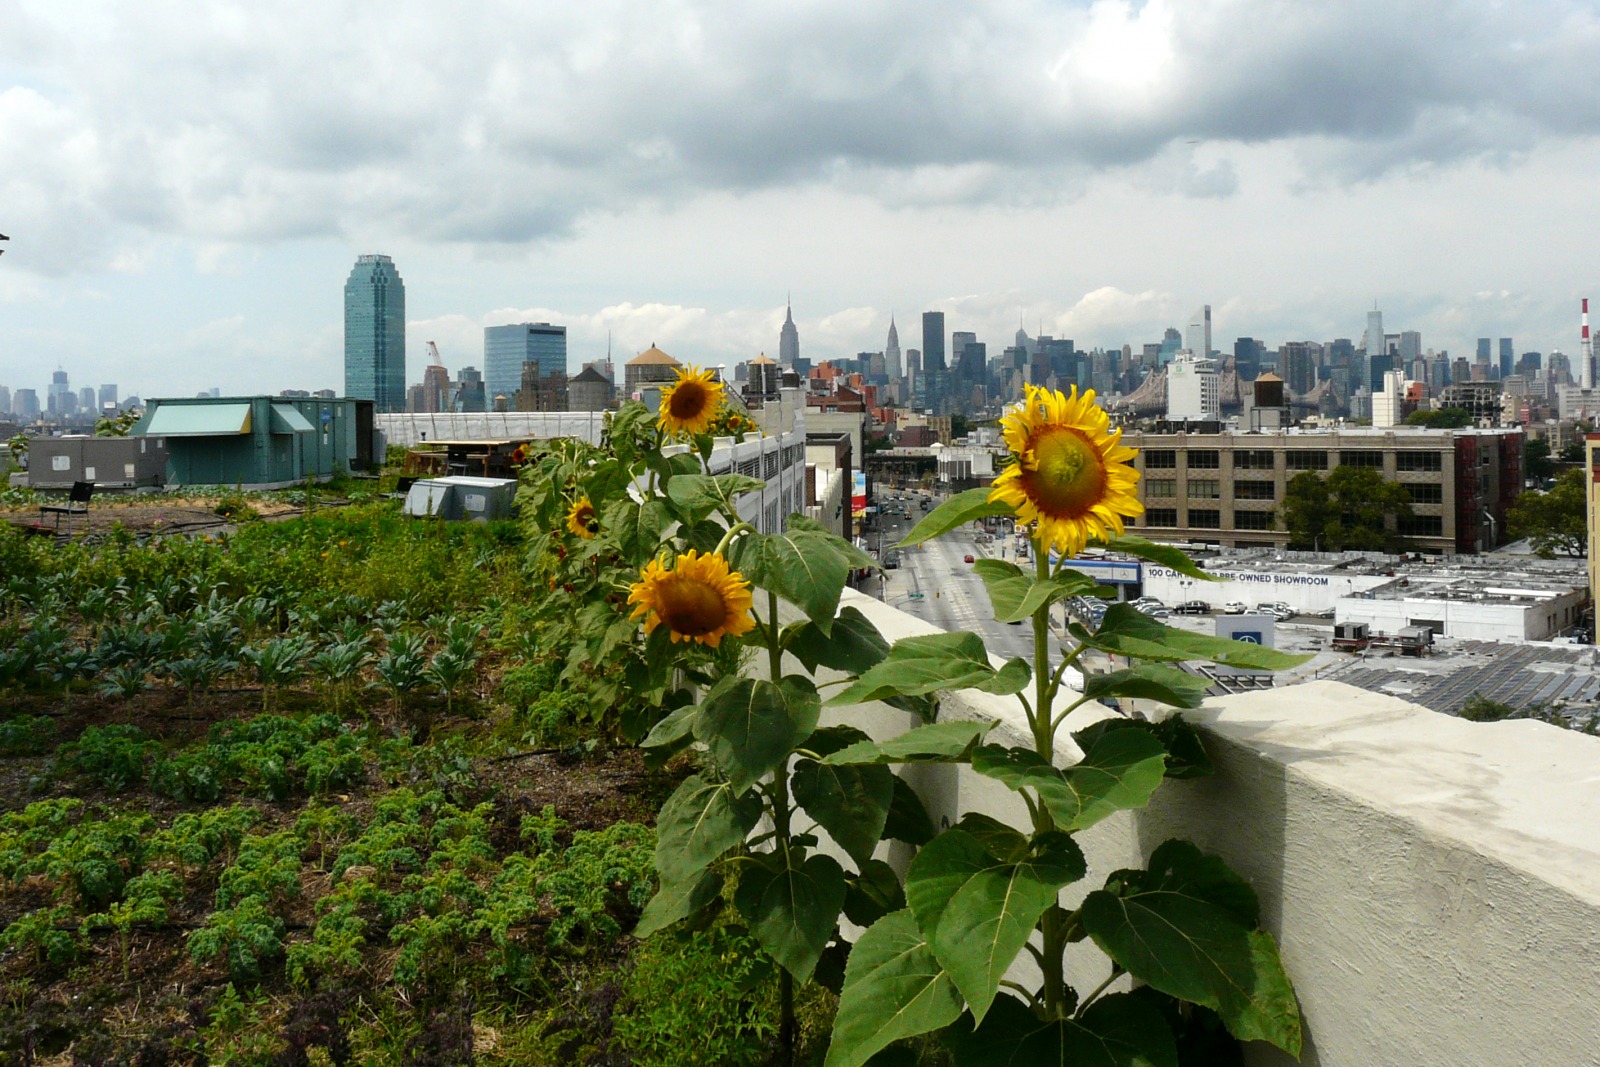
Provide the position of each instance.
(433, 350)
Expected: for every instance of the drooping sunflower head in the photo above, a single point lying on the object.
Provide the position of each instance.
(1072, 474)
(581, 519)
(690, 404)
(699, 599)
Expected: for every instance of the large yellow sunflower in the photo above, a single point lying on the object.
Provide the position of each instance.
(1071, 476)
(700, 599)
(581, 518)
(690, 404)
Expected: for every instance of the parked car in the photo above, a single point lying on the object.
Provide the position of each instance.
(1193, 607)
(1235, 607)
(967, 558)
(891, 562)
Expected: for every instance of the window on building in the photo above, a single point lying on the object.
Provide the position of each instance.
(1254, 520)
(1253, 459)
(1205, 489)
(1422, 526)
(1425, 494)
(770, 461)
(1255, 491)
(1361, 458)
(1160, 459)
(1205, 459)
(1161, 517)
(1418, 461)
(1161, 487)
(1205, 519)
(1305, 459)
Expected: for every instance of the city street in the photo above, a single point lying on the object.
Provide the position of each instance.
(935, 583)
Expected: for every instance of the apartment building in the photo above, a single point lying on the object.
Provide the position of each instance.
(1226, 488)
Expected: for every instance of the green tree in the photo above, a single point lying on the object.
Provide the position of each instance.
(1557, 522)
(1351, 508)
(1537, 457)
(1441, 419)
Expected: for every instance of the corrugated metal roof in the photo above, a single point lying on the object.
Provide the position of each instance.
(286, 419)
(199, 420)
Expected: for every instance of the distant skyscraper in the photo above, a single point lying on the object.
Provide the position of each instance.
(1410, 346)
(86, 400)
(25, 404)
(933, 361)
(60, 400)
(470, 395)
(1483, 350)
(1508, 357)
(788, 339)
(1373, 342)
(1197, 338)
(108, 395)
(5, 400)
(507, 348)
(891, 354)
(375, 334)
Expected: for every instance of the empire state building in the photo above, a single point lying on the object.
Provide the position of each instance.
(789, 340)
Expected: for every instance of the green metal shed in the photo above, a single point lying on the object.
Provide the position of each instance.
(259, 442)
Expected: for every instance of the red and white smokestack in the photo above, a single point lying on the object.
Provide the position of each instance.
(1586, 368)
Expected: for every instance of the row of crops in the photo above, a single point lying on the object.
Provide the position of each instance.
(282, 799)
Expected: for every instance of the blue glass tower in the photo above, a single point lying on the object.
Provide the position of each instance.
(375, 334)
(507, 348)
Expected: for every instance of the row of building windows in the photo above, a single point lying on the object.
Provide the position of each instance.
(1211, 489)
(1295, 459)
(1211, 519)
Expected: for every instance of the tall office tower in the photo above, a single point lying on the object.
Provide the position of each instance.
(5, 400)
(86, 400)
(435, 395)
(788, 339)
(1508, 358)
(1247, 357)
(1410, 346)
(933, 361)
(891, 354)
(375, 334)
(1483, 350)
(1372, 340)
(1460, 370)
(59, 399)
(1297, 366)
(1171, 345)
(470, 394)
(1377, 367)
(1197, 338)
(108, 395)
(25, 404)
(507, 348)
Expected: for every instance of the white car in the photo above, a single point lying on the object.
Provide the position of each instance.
(1235, 607)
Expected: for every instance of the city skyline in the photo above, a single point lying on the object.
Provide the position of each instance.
(182, 201)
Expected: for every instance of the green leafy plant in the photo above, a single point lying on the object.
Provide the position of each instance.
(27, 735)
(277, 663)
(938, 952)
(113, 756)
(705, 997)
(144, 901)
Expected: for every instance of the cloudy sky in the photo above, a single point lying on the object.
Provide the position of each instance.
(186, 184)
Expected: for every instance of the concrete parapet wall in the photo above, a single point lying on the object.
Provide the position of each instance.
(1434, 884)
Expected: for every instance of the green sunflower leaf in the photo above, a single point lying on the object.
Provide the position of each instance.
(1126, 631)
(919, 665)
(962, 508)
(893, 988)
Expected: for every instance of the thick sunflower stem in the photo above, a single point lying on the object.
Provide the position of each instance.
(1050, 926)
(780, 825)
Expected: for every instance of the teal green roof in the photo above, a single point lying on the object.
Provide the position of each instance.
(199, 420)
(287, 419)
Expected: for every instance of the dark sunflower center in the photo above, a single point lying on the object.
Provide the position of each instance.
(1069, 477)
(688, 400)
(690, 607)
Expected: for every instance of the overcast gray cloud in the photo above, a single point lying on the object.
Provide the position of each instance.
(483, 122)
(664, 169)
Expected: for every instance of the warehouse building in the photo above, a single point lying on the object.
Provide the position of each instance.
(259, 442)
(1226, 488)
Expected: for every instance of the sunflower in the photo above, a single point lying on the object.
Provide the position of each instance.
(581, 518)
(1071, 475)
(690, 404)
(699, 600)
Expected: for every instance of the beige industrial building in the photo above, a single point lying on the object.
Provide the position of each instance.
(1226, 488)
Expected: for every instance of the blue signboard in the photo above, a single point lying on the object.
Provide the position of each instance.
(1107, 571)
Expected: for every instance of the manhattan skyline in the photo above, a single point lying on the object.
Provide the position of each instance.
(184, 202)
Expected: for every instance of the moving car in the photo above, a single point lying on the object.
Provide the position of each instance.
(967, 558)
